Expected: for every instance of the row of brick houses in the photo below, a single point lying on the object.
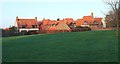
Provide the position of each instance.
(57, 25)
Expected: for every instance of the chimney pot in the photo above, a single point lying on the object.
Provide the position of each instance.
(35, 18)
(16, 18)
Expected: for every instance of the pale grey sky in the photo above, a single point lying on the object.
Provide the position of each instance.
(51, 9)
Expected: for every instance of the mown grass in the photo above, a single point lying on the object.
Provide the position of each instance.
(91, 46)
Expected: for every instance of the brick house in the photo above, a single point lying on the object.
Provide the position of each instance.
(26, 24)
(62, 26)
(48, 26)
(70, 22)
(90, 21)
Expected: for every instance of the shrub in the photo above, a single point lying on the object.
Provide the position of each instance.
(89, 29)
(80, 28)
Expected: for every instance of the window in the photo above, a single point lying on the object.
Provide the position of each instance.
(95, 22)
(34, 26)
(85, 22)
(71, 23)
(23, 26)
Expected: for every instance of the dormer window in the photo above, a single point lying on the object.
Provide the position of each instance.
(24, 26)
(95, 22)
(85, 22)
(34, 26)
(71, 23)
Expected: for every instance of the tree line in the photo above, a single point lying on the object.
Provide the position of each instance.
(114, 14)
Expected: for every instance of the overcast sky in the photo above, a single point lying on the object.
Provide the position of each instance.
(51, 9)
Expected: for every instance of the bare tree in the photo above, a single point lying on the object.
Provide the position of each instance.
(115, 16)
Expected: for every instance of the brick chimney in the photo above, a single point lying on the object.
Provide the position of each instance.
(43, 18)
(16, 18)
(92, 16)
(36, 18)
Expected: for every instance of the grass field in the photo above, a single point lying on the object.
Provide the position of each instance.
(90, 46)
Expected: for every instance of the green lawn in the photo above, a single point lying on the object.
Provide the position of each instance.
(90, 46)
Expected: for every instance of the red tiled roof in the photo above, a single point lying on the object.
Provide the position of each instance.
(88, 19)
(98, 20)
(27, 22)
(68, 20)
(54, 22)
(52, 28)
(39, 22)
(78, 22)
(46, 21)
